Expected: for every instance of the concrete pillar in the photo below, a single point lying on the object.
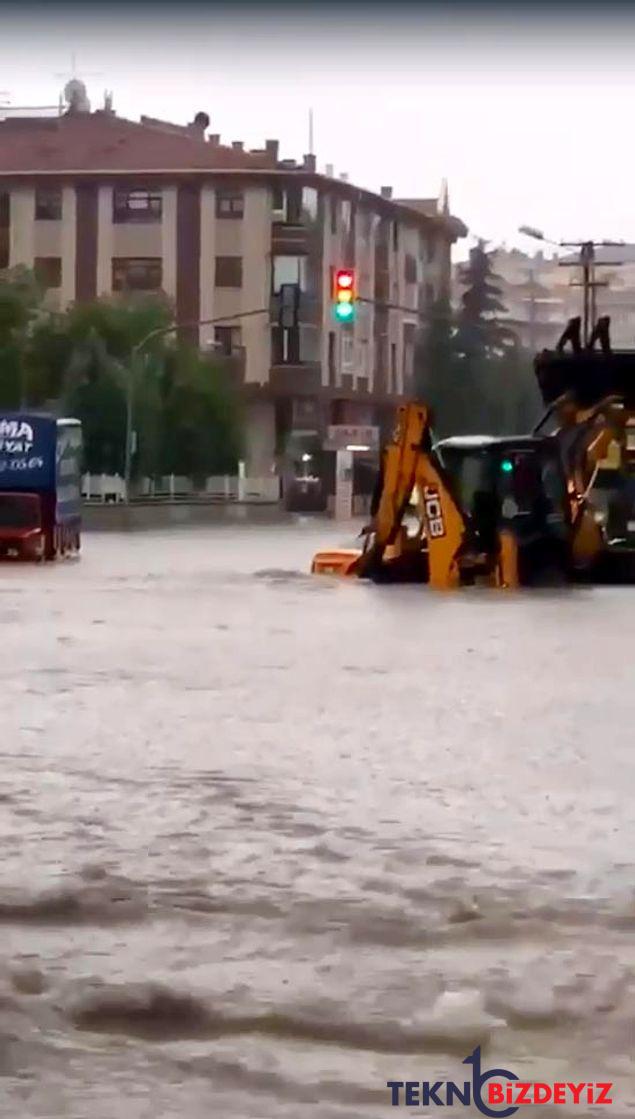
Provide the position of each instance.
(256, 252)
(260, 438)
(22, 231)
(208, 254)
(343, 485)
(168, 241)
(104, 241)
(69, 227)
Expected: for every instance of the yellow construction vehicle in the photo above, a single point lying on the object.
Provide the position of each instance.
(484, 510)
(502, 511)
(590, 396)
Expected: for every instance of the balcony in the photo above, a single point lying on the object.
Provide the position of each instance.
(302, 378)
(294, 238)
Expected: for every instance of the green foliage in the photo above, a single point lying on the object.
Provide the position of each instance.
(20, 300)
(480, 333)
(83, 362)
(200, 431)
(470, 367)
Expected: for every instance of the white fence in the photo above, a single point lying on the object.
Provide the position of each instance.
(112, 488)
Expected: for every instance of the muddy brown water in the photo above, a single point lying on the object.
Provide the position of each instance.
(270, 841)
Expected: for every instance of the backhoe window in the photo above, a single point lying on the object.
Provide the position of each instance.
(472, 473)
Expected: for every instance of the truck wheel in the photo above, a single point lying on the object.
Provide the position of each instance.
(50, 550)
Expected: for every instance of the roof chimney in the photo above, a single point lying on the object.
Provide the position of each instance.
(237, 145)
(386, 192)
(309, 162)
(344, 176)
(271, 147)
(329, 170)
(214, 139)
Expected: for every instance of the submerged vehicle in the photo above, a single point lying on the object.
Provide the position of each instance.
(505, 511)
(40, 485)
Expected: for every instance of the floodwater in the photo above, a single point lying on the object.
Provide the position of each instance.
(270, 841)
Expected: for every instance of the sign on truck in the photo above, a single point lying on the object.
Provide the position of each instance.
(40, 485)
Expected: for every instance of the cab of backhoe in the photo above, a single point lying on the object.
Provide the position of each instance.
(515, 484)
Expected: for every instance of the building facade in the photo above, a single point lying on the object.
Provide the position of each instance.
(98, 205)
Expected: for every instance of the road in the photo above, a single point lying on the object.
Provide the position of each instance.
(270, 841)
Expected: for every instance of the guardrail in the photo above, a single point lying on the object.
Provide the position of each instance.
(111, 489)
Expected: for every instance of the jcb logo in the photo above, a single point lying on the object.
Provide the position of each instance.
(434, 512)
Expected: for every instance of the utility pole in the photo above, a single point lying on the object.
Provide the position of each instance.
(586, 262)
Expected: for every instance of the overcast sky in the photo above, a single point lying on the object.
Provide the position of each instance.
(528, 118)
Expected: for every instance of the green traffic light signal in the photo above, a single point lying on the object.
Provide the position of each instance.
(507, 466)
(344, 312)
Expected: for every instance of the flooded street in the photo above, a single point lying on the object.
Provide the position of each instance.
(270, 841)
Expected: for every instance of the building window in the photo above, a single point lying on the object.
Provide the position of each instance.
(137, 274)
(277, 201)
(334, 209)
(364, 225)
(48, 271)
(331, 357)
(346, 216)
(285, 345)
(229, 272)
(230, 204)
(395, 236)
(430, 294)
(310, 203)
(136, 205)
(294, 205)
(48, 204)
(393, 366)
(288, 270)
(431, 245)
(410, 269)
(228, 339)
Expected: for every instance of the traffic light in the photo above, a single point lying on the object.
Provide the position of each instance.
(507, 466)
(344, 295)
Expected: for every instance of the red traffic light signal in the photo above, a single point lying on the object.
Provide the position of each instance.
(344, 294)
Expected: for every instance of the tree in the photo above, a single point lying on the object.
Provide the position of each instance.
(20, 303)
(441, 380)
(200, 419)
(481, 335)
(85, 361)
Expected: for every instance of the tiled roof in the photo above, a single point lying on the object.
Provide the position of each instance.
(101, 141)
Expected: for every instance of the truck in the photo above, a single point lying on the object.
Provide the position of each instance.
(40, 485)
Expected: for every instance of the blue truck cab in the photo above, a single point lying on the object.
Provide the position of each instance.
(40, 485)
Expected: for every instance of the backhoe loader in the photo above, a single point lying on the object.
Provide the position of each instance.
(502, 511)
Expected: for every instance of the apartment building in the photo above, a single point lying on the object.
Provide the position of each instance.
(97, 204)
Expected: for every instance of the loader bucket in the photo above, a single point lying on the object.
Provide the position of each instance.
(589, 376)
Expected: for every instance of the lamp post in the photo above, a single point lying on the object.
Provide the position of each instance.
(136, 364)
